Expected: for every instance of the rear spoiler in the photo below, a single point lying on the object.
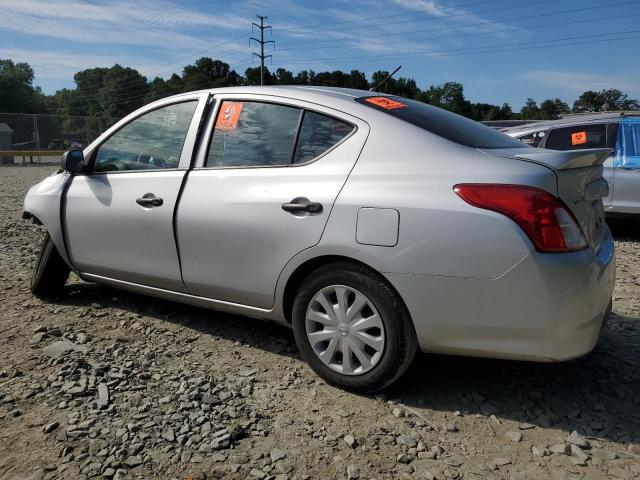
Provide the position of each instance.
(565, 160)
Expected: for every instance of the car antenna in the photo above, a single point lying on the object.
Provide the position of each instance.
(373, 89)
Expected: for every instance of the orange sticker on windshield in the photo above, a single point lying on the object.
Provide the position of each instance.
(385, 102)
(578, 138)
(228, 115)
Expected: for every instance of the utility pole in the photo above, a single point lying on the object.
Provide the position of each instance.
(262, 42)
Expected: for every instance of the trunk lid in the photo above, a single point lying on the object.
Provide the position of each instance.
(580, 183)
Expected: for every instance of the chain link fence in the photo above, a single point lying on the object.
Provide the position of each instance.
(40, 138)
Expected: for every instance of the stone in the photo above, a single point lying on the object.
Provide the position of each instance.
(409, 440)
(398, 412)
(276, 454)
(256, 473)
(50, 427)
(168, 435)
(37, 338)
(560, 448)
(353, 472)
(450, 427)
(604, 454)
(575, 438)
(133, 461)
(221, 439)
(539, 451)
(350, 440)
(514, 436)
(501, 461)
(61, 348)
(578, 456)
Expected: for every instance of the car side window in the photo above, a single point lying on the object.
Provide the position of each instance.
(253, 134)
(533, 139)
(627, 150)
(318, 134)
(578, 137)
(151, 141)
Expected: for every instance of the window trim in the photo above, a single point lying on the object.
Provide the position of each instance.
(192, 131)
(210, 130)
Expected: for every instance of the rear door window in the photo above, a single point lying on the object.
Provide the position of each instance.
(627, 151)
(253, 134)
(578, 137)
(319, 133)
(532, 139)
(443, 123)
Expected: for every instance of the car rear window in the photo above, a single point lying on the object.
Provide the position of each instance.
(578, 137)
(441, 122)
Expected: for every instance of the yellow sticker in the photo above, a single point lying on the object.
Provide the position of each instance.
(385, 102)
(578, 138)
(228, 115)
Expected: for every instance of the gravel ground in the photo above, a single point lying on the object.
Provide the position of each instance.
(103, 383)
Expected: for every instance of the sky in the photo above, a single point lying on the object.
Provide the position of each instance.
(500, 50)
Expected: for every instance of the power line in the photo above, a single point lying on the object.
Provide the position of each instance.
(456, 27)
(262, 43)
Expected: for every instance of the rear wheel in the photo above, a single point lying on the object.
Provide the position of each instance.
(50, 273)
(352, 328)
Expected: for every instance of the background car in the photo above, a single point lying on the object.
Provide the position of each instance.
(619, 132)
(373, 225)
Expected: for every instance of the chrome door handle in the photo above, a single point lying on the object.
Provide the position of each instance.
(149, 200)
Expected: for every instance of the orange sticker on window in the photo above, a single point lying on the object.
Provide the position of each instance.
(228, 115)
(385, 102)
(578, 138)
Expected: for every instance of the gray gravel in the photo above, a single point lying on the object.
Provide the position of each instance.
(106, 384)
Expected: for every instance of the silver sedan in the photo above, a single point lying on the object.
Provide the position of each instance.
(373, 225)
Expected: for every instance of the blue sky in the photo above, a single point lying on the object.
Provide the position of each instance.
(500, 50)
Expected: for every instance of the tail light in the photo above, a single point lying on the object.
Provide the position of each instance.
(545, 219)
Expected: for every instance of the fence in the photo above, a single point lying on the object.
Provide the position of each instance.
(40, 138)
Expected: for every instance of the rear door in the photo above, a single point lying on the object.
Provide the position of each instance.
(119, 215)
(267, 176)
(627, 166)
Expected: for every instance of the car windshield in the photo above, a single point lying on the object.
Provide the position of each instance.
(441, 122)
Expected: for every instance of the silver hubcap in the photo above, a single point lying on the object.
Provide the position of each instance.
(345, 330)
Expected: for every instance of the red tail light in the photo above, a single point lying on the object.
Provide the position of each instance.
(544, 218)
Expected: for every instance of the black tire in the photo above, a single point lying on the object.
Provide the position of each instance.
(400, 337)
(50, 273)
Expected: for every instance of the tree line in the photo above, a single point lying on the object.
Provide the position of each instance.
(107, 93)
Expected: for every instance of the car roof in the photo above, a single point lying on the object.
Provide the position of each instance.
(334, 97)
(576, 119)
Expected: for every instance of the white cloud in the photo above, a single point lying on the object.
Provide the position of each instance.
(578, 82)
(157, 24)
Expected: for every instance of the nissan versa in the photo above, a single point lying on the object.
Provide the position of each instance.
(373, 224)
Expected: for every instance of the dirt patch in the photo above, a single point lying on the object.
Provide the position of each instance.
(102, 383)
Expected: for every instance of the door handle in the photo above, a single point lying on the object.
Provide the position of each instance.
(149, 200)
(302, 205)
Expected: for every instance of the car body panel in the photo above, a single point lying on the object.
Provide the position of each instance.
(624, 183)
(470, 278)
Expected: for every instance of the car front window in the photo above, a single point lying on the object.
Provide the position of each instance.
(150, 142)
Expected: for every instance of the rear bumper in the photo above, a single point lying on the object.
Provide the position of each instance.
(548, 307)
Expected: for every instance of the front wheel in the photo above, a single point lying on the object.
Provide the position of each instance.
(352, 328)
(50, 273)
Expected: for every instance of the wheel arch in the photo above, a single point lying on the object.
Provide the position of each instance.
(310, 265)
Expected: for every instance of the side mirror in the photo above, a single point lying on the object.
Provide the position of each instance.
(73, 161)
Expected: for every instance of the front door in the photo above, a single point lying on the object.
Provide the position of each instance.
(627, 166)
(119, 216)
(263, 192)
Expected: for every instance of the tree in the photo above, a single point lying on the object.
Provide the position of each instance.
(17, 93)
(530, 111)
(604, 100)
(208, 73)
(552, 109)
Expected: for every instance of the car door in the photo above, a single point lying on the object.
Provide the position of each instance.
(261, 192)
(119, 215)
(627, 166)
